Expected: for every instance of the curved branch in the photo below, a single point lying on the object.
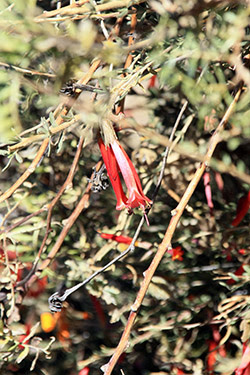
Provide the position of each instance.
(28, 171)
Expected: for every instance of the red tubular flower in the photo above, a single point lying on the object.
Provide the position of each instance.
(113, 173)
(124, 240)
(152, 80)
(244, 367)
(116, 160)
(176, 253)
(214, 349)
(114, 237)
(208, 191)
(242, 208)
(238, 272)
(84, 371)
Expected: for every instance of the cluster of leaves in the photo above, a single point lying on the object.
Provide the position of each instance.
(187, 57)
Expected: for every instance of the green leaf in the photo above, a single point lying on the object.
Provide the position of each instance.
(19, 159)
(3, 152)
(158, 289)
(9, 162)
(52, 119)
(23, 354)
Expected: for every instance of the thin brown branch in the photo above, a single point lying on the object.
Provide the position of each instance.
(26, 71)
(64, 9)
(167, 150)
(28, 171)
(50, 207)
(82, 204)
(166, 242)
(69, 11)
(23, 220)
(35, 138)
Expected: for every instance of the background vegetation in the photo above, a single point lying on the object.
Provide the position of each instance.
(163, 64)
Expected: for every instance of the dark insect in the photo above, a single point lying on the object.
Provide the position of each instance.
(72, 87)
(99, 181)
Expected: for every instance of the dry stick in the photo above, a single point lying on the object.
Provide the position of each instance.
(50, 207)
(28, 171)
(166, 242)
(64, 10)
(59, 120)
(26, 71)
(167, 150)
(101, 16)
(70, 221)
(87, 9)
(37, 137)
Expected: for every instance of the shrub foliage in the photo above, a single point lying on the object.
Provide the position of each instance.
(171, 78)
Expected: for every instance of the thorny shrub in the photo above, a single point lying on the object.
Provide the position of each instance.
(121, 74)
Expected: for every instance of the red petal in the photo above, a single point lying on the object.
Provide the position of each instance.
(245, 362)
(243, 207)
(136, 196)
(208, 191)
(152, 81)
(120, 239)
(113, 173)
